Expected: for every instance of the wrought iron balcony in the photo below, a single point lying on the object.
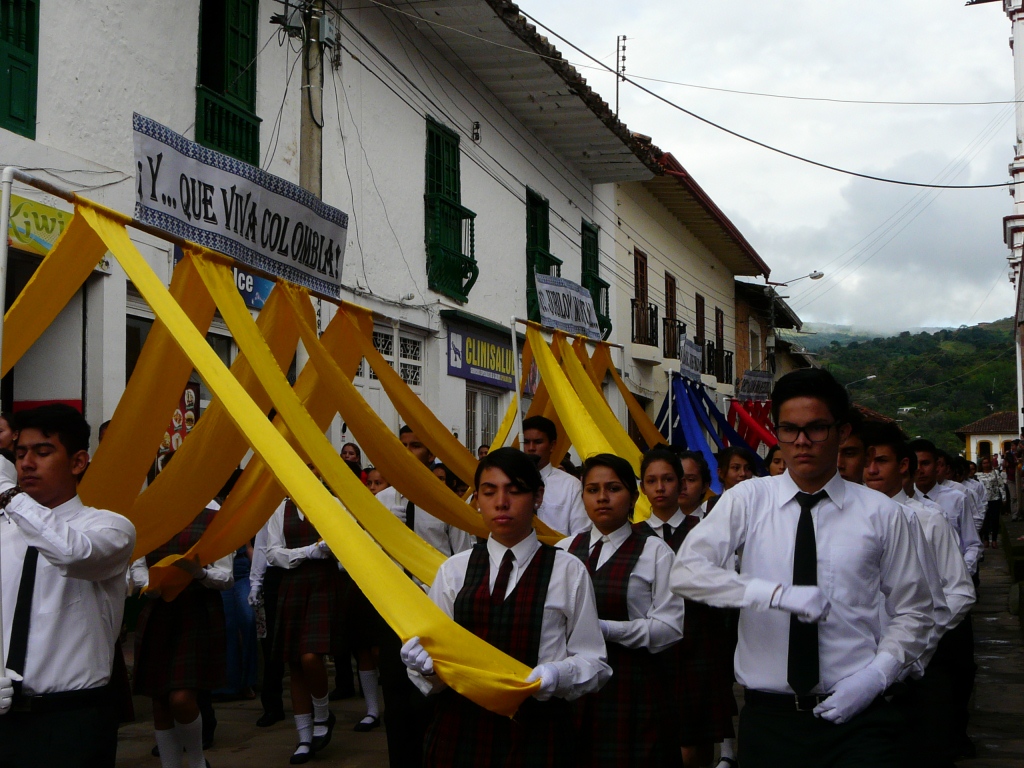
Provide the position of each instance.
(451, 259)
(709, 358)
(538, 261)
(673, 332)
(718, 363)
(226, 127)
(599, 293)
(645, 323)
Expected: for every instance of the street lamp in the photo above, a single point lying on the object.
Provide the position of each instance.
(858, 381)
(815, 275)
(773, 295)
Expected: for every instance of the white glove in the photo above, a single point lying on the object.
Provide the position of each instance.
(853, 694)
(808, 603)
(548, 676)
(318, 551)
(416, 658)
(254, 596)
(6, 694)
(606, 628)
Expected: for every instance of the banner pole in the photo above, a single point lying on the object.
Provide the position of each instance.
(518, 381)
(668, 373)
(7, 184)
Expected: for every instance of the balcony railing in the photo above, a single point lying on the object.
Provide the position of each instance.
(645, 323)
(224, 126)
(709, 358)
(538, 260)
(599, 293)
(718, 363)
(451, 259)
(673, 332)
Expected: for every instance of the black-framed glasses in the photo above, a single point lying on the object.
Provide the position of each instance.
(816, 433)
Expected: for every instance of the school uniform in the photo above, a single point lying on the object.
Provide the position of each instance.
(975, 511)
(63, 580)
(182, 644)
(562, 508)
(626, 724)
(446, 539)
(701, 703)
(860, 555)
(547, 615)
(265, 582)
(954, 506)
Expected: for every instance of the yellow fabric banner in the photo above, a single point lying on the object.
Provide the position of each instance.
(257, 493)
(426, 425)
(464, 661)
(651, 434)
(74, 256)
(215, 446)
(119, 468)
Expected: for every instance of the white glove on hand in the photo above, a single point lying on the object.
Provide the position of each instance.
(852, 695)
(416, 658)
(6, 694)
(254, 596)
(318, 551)
(809, 604)
(548, 676)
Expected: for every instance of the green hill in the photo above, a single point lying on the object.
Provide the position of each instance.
(942, 380)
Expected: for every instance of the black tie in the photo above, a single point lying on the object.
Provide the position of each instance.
(595, 555)
(410, 516)
(666, 531)
(803, 671)
(22, 613)
(501, 582)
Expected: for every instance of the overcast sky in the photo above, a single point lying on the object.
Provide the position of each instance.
(893, 256)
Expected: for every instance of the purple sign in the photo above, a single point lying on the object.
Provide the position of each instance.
(480, 356)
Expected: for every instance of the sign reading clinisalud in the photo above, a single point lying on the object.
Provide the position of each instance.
(226, 205)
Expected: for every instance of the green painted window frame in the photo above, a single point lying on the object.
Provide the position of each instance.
(449, 227)
(590, 277)
(538, 249)
(19, 65)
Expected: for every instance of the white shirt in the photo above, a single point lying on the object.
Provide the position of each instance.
(974, 510)
(562, 507)
(259, 559)
(865, 556)
(655, 614)
(989, 486)
(220, 574)
(957, 586)
(278, 553)
(954, 507)
(78, 600)
(570, 635)
(447, 539)
(658, 525)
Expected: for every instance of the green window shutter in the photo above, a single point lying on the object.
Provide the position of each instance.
(239, 52)
(538, 255)
(448, 226)
(19, 65)
(590, 277)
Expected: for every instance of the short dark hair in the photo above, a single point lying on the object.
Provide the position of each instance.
(702, 464)
(622, 469)
(941, 454)
(542, 424)
(857, 423)
(662, 454)
(885, 434)
(724, 456)
(406, 429)
(812, 382)
(59, 419)
(520, 468)
(920, 445)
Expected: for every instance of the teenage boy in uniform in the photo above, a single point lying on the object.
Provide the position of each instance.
(562, 508)
(822, 558)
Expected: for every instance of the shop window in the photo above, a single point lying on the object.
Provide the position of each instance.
(449, 228)
(410, 357)
(539, 259)
(482, 417)
(226, 93)
(19, 65)
(590, 278)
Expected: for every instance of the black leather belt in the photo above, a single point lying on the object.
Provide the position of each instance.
(61, 701)
(786, 701)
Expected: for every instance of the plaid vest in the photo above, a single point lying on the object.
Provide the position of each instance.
(611, 580)
(183, 541)
(678, 535)
(514, 626)
(298, 532)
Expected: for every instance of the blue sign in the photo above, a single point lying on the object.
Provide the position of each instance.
(254, 289)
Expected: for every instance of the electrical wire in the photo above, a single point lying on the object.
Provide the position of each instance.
(275, 132)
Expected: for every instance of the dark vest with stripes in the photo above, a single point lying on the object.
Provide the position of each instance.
(623, 723)
(465, 734)
(182, 542)
(298, 531)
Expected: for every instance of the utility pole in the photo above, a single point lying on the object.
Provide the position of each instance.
(620, 67)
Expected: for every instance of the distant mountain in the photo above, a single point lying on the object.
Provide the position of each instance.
(816, 336)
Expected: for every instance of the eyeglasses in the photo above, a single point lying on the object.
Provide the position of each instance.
(816, 433)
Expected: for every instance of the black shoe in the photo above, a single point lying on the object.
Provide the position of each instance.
(339, 694)
(267, 719)
(319, 742)
(155, 751)
(300, 758)
(365, 727)
(967, 749)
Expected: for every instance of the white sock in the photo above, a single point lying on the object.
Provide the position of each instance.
(304, 725)
(368, 679)
(191, 737)
(728, 749)
(170, 748)
(321, 711)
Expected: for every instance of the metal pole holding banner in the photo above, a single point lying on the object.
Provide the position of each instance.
(669, 374)
(519, 384)
(7, 182)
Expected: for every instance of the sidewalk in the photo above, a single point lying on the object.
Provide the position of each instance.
(997, 717)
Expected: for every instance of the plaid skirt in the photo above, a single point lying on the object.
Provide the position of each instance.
(308, 610)
(703, 704)
(626, 723)
(181, 644)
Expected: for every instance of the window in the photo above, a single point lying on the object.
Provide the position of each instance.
(482, 417)
(719, 328)
(226, 93)
(538, 254)
(674, 330)
(698, 332)
(670, 297)
(640, 275)
(645, 314)
(19, 65)
(410, 357)
(451, 263)
(590, 278)
(984, 448)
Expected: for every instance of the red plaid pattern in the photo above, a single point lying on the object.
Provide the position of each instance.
(465, 734)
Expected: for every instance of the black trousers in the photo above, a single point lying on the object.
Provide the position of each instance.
(272, 693)
(955, 655)
(407, 712)
(770, 738)
(990, 527)
(927, 706)
(75, 738)
(341, 642)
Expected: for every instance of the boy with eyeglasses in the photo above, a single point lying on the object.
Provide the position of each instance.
(822, 558)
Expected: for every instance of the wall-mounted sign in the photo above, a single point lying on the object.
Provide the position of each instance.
(480, 356)
(35, 227)
(254, 289)
(691, 359)
(567, 306)
(755, 385)
(234, 208)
